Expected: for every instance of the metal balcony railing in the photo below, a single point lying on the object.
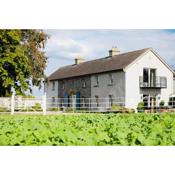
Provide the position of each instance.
(156, 82)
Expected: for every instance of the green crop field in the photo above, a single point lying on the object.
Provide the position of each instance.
(88, 129)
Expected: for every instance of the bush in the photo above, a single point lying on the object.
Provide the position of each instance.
(116, 107)
(69, 110)
(29, 96)
(130, 110)
(162, 103)
(37, 107)
(122, 109)
(140, 107)
(54, 109)
(27, 110)
(3, 109)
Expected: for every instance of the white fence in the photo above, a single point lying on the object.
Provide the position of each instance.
(85, 104)
(17, 104)
(43, 105)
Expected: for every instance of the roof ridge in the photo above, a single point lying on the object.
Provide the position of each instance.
(114, 56)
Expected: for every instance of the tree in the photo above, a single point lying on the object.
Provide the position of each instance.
(22, 60)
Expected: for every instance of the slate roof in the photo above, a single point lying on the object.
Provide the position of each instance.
(107, 64)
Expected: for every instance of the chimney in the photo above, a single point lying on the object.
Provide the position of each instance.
(79, 60)
(114, 51)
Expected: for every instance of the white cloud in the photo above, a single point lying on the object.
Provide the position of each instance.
(95, 43)
(68, 48)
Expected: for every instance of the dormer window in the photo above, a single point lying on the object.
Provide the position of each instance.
(53, 85)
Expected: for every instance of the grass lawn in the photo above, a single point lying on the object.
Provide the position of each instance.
(88, 129)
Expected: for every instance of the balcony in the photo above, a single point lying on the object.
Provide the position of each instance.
(156, 82)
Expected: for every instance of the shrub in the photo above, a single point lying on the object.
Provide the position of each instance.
(29, 96)
(140, 107)
(69, 110)
(3, 109)
(37, 107)
(28, 110)
(54, 109)
(116, 107)
(122, 109)
(128, 110)
(162, 103)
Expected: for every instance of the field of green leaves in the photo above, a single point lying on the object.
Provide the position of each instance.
(88, 129)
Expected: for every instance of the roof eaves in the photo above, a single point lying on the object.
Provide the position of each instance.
(83, 75)
(145, 51)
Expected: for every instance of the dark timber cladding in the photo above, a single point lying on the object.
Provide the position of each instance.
(117, 62)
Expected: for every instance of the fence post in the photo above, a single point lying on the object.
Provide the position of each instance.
(12, 103)
(44, 103)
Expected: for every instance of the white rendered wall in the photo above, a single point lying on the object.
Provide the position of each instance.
(134, 92)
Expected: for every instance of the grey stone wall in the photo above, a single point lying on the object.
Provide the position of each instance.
(117, 89)
(74, 85)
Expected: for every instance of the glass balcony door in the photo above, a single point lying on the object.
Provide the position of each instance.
(145, 76)
(149, 77)
(153, 77)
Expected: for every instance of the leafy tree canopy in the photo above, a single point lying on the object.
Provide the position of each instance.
(22, 60)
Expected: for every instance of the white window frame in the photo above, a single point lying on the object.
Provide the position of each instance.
(96, 81)
(110, 100)
(97, 100)
(63, 85)
(83, 83)
(83, 102)
(53, 100)
(111, 79)
(53, 85)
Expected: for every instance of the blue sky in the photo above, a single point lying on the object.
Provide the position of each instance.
(64, 45)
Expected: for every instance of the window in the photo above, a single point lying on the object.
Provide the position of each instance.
(53, 85)
(110, 101)
(96, 81)
(83, 83)
(72, 83)
(63, 85)
(97, 101)
(110, 79)
(146, 100)
(83, 102)
(53, 100)
(149, 77)
(153, 77)
(145, 75)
